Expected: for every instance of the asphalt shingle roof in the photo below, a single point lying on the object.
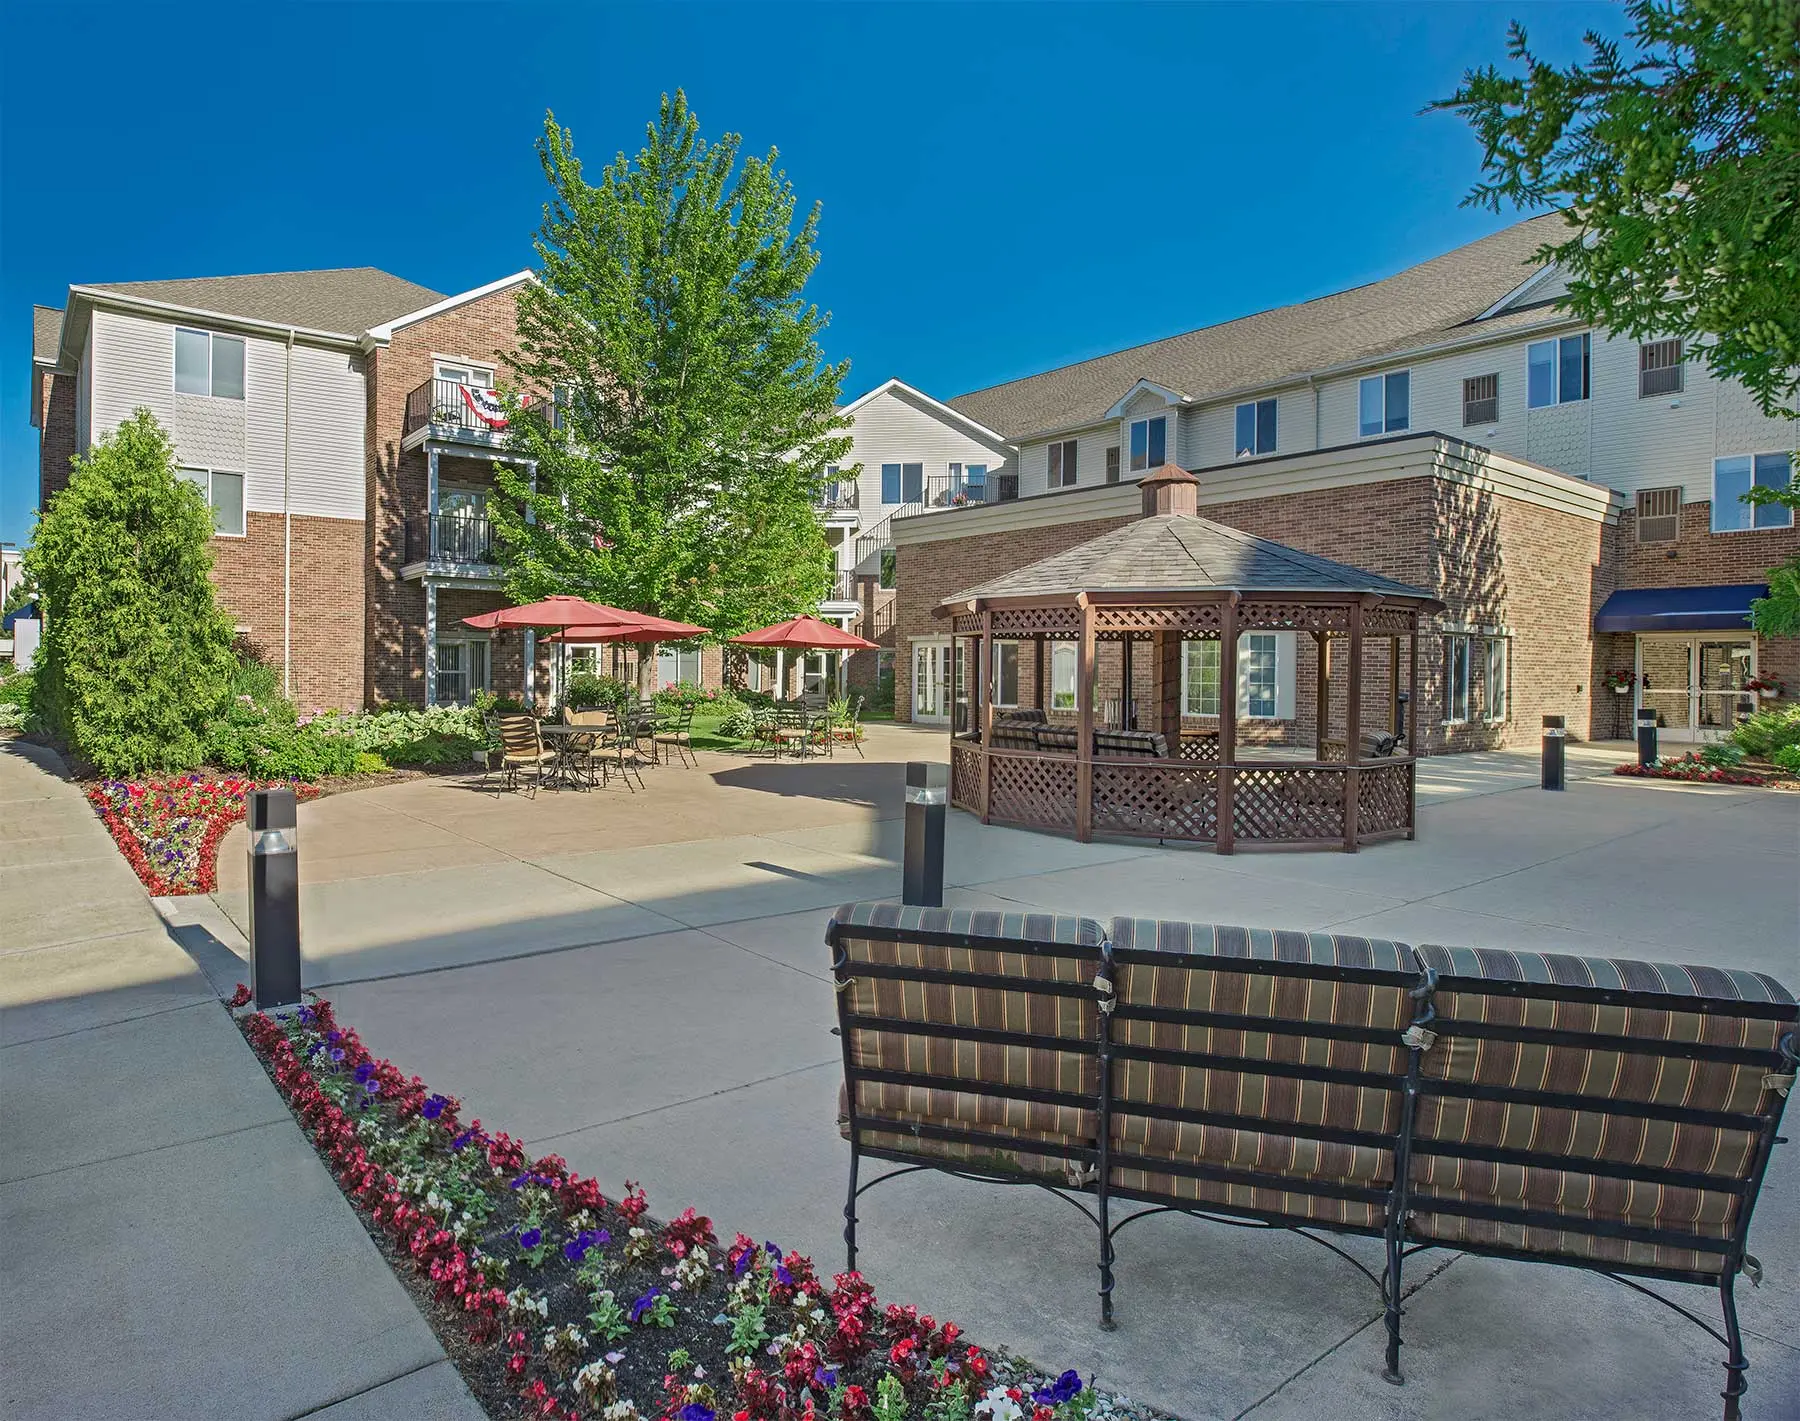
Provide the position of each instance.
(1169, 552)
(46, 331)
(1414, 307)
(344, 300)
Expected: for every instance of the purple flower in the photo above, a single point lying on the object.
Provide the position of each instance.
(364, 1071)
(825, 1378)
(694, 1411)
(782, 1276)
(576, 1248)
(433, 1106)
(1064, 1389)
(774, 1250)
(463, 1139)
(644, 1304)
(530, 1238)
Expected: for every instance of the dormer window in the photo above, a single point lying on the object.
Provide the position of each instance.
(1255, 428)
(1149, 443)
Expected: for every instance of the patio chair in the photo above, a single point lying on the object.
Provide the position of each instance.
(522, 750)
(791, 730)
(850, 733)
(763, 724)
(678, 735)
(591, 748)
(617, 748)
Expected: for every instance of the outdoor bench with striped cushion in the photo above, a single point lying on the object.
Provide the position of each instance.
(1604, 1114)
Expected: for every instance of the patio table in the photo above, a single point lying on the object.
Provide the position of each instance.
(571, 744)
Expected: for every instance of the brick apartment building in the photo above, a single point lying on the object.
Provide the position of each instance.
(1571, 497)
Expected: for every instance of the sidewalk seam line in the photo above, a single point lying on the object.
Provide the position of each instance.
(210, 1000)
(442, 1358)
(690, 1100)
(152, 1149)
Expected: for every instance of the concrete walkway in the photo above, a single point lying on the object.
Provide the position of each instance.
(172, 1246)
(662, 1012)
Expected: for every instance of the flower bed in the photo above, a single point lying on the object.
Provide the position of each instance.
(558, 1303)
(1694, 769)
(169, 830)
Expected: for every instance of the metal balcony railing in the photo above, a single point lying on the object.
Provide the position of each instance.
(460, 408)
(449, 537)
(837, 497)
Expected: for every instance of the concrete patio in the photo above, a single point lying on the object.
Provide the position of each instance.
(638, 982)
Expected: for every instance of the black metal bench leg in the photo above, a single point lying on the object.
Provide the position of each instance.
(850, 1216)
(1736, 1364)
(1391, 1297)
(1106, 1265)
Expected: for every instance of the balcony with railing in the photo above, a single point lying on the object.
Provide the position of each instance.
(449, 542)
(459, 413)
(838, 502)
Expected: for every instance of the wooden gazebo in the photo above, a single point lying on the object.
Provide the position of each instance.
(1119, 753)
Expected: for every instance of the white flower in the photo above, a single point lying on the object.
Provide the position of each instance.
(998, 1406)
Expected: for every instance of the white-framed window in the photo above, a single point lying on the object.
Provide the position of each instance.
(1200, 677)
(1112, 463)
(1457, 653)
(1006, 673)
(1062, 464)
(1556, 371)
(224, 492)
(1384, 403)
(208, 364)
(1493, 685)
(1736, 476)
(1149, 443)
(676, 664)
(476, 377)
(1659, 368)
(902, 483)
(1257, 674)
(1255, 428)
(462, 669)
(1062, 675)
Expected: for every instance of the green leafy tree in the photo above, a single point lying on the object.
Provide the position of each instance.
(136, 655)
(696, 412)
(1677, 168)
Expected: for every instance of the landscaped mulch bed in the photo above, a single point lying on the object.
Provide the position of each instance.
(555, 1302)
(1693, 769)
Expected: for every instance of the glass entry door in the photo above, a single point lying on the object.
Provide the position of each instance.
(1695, 684)
(931, 682)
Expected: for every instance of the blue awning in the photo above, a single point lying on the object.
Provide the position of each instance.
(1680, 609)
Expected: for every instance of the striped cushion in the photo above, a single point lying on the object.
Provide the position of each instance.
(959, 1081)
(1171, 969)
(1492, 1003)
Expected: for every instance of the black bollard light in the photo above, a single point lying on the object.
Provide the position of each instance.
(274, 899)
(1554, 738)
(927, 801)
(1646, 736)
(1400, 715)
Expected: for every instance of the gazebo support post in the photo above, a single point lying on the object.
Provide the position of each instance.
(1227, 772)
(1126, 722)
(1166, 664)
(1412, 729)
(1393, 685)
(985, 689)
(1353, 730)
(1322, 720)
(1037, 671)
(1084, 726)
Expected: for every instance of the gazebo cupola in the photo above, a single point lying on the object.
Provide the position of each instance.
(1152, 652)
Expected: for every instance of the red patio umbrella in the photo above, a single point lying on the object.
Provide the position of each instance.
(553, 613)
(805, 634)
(642, 626)
(802, 634)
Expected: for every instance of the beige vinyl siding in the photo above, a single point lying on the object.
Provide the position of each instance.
(1090, 459)
(84, 396)
(134, 365)
(1209, 434)
(892, 429)
(327, 452)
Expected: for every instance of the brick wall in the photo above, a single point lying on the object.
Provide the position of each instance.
(57, 443)
(1495, 561)
(486, 331)
(327, 622)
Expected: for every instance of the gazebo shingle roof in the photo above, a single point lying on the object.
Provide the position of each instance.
(1176, 552)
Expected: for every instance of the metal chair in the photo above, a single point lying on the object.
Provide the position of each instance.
(522, 750)
(850, 732)
(678, 736)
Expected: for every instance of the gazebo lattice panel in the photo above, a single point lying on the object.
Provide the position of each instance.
(965, 777)
(1031, 789)
(1261, 615)
(1156, 799)
(1388, 621)
(1193, 621)
(1288, 803)
(1203, 749)
(1384, 798)
(968, 625)
(1062, 622)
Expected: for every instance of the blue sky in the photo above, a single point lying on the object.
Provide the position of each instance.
(1006, 188)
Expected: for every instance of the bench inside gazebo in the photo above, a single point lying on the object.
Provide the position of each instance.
(1106, 741)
